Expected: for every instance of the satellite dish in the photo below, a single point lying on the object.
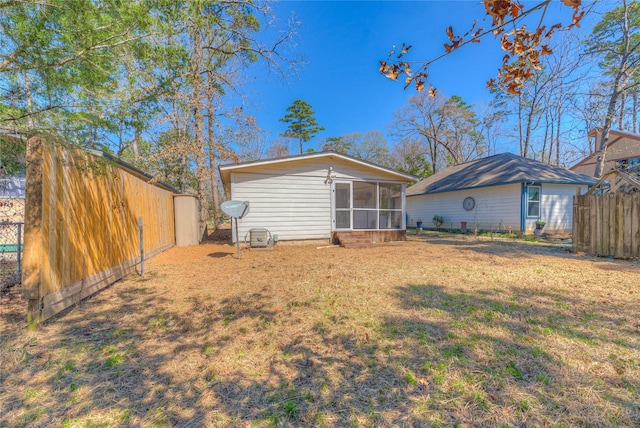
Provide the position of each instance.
(235, 209)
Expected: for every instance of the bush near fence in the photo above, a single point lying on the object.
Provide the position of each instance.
(82, 225)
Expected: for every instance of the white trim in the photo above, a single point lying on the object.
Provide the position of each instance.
(231, 167)
(334, 223)
(404, 207)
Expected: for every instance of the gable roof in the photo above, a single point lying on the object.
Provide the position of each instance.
(614, 137)
(225, 170)
(505, 168)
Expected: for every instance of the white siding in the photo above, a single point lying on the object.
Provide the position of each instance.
(556, 208)
(496, 208)
(293, 199)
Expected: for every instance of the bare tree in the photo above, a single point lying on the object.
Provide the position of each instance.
(278, 149)
(409, 155)
(420, 119)
(615, 40)
(370, 146)
(449, 128)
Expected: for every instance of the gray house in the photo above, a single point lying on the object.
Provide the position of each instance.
(503, 192)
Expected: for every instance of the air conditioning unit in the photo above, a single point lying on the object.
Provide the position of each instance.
(259, 238)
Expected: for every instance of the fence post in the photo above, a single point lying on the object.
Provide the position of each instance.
(33, 230)
(19, 251)
(141, 248)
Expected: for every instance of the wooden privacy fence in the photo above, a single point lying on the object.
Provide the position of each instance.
(607, 225)
(82, 228)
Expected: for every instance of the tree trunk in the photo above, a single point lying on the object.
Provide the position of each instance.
(546, 136)
(558, 134)
(135, 144)
(27, 89)
(602, 145)
(212, 153)
(198, 125)
(527, 138)
(522, 151)
(634, 112)
(623, 102)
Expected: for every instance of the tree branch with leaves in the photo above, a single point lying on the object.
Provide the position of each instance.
(523, 47)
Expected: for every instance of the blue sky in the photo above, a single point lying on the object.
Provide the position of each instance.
(342, 42)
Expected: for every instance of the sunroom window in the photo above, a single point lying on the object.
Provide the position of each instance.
(368, 206)
(390, 206)
(364, 205)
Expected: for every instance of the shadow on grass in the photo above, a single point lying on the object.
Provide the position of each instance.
(220, 254)
(444, 357)
(522, 249)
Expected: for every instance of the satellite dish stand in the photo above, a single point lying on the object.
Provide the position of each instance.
(236, 210)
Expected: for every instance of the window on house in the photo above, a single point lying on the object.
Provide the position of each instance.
(628, 165)
(533, 201)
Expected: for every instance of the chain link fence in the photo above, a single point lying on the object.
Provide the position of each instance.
(12, 192)
(11, 246)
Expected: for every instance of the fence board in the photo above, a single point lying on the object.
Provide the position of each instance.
(81, 230)
(619, 226)
(594, 220)
(635, 224)
(625, 212)
(607, 225)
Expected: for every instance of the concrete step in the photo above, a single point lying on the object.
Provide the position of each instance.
(354, 240)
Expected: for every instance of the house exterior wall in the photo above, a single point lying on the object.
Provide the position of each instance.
(293, 199)
(620, 148)
(496, 208)
(556, 208)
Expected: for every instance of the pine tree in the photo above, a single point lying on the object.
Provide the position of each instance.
(302, 122)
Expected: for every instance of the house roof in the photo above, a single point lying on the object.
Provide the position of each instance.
(225, 170)
(505, 168)
(614, 137)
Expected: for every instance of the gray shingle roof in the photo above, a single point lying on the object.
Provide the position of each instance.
(505, 168)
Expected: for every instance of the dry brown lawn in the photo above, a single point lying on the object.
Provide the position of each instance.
(438, 331)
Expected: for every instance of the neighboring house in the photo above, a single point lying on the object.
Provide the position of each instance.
(314, 195)
(12, 191)
(504, 192)
(623, 153)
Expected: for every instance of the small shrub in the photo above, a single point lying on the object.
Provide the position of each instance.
(513, 370)
(291, 409)
(113, 361)
(410, 378)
